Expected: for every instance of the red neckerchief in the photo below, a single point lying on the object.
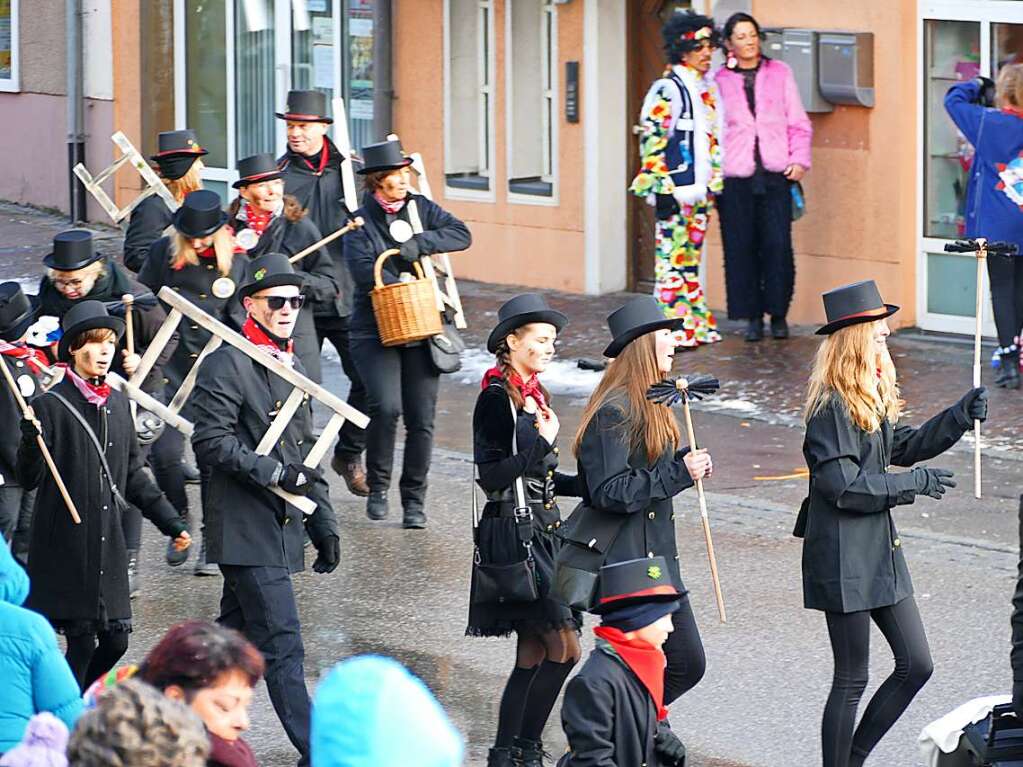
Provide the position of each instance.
(230, 753)
(646, 662)
(387, 205)
(324, 156)
(252, 331)
(530, 388)
(257, 220)
(30, 356)
(94, 393)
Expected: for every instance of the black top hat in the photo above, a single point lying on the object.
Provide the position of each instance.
(270, 270)
(72, 250)
(172, 143)
(853, 304)
(634, 581)
(200, 214)
(85, 315)
(522, 310)
(639, 316)
(387, 155)
(16, 312)
(256, 169)
(306, 106)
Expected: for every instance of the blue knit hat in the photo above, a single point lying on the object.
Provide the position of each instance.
(370, 712)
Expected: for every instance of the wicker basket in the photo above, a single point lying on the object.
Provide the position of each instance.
(405, 311)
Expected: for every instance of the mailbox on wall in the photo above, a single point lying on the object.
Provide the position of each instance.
(846, 67)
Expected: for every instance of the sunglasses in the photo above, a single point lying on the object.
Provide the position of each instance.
(276, 303)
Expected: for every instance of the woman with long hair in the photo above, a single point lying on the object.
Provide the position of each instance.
(178, 163)
(632, 464)
(547, 641)
(854, 569)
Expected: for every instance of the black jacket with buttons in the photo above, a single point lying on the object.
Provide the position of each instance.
(852, 553)
(234, 401)
(29, 385)
(195, 283)
(146, 225)
(626, 511)
(80, 572)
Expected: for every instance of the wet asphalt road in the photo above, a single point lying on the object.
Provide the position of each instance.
(404, 593)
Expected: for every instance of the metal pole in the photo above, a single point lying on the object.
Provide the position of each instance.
(383, 87)
(75, 108)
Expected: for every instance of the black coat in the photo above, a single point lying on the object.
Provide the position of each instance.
(10, 414)
(321, 195)
(234, 402)
(290, 237)
(145, 323)
(75, 568)
(852, 553)
(626, 502)
(608, 715)
(442, 233)
(1016, 655)
(146, 225)
(194, 283)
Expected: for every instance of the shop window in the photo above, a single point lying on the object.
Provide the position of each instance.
(469, 35)
(532, 64)
(255, 87)
(206, 76)
(9, 80)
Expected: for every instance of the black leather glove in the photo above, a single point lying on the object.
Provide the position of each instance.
(974, 405)
(409, 250)
(29, 430)
(298, 478)
(667, 206)
(932, 482)
(668, 746)
(987, 91)
(328, 555)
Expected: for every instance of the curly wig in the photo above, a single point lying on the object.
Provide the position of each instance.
(680, 32)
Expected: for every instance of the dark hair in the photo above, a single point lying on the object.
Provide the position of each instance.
(673, 32)
(194, 654)
(737, 18)
(92, 336)
(375, 179)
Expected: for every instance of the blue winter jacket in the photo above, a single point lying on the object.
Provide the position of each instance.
(34, 676)
(994, 195)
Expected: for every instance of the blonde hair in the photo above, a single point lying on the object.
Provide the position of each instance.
(182, 253)
(190, 182)
(647, 424)
(96, 269)
(847, 367)
(1009, 86)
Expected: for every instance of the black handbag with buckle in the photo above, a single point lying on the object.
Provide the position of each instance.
(997, 739)
(446, 348)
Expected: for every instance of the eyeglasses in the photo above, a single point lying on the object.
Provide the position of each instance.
(72, 284)
(276, 303)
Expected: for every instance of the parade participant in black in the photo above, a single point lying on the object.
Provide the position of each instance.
(265, 220)
(547, 641)
(76, 272)
(400, 380)
(16, 316)
(853, 565)
(613, 712)
(311, 169)
(632, 464)
(198, 261)
(79, 572)
(253, 535)
(179, 165)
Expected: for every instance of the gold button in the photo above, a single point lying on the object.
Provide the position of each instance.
(278, 403)
(673, 516)
(550, 473)
(550, 528)
(897, 543)
(556, 451)
(676, 557)
(202, 295)
(195, 327)
(557, 524)
(650, 554)
(547, 505)
(287, 520)
(177, 288)
(209, 266)
(652, 515)
(193, 355)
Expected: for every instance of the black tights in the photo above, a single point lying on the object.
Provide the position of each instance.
(1006, 274)
(850, 643)
(89, 661)
(543, 662)
(684, 652)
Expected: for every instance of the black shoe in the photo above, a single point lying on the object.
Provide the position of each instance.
(376, 505)
(191, 473)
(1008, 371)
(177, 558)
(413, 518)
(202, 567)
(500, 757)
(532, 753)
(755, 330)
(133, 573)
(779, 328)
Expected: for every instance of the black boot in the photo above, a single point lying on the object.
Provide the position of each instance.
(779, 328)
(413, 518)
(755, 330)
(191, 472)
(500, 757)
(176, 558)
(376, 505)
(133, 573)
(1008, 371)
(532, 752)
(202, 567)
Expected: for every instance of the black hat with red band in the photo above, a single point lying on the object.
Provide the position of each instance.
(305, 107)
(256, 170)
(633, 582)
(853, 304)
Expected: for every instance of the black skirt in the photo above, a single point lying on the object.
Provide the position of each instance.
(499, 544)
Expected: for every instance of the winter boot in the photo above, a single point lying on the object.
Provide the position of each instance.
(779, 328)
(351, 471)
(500, 757)
(413, 518)
(133, 573)
(202, 567)
(755, 330)
(532, 753)
(1008, 370)
(376, 505)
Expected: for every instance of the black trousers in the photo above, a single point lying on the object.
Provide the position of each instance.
(756, 232)
(16, 518)
(850, 643)
(260, 603)
(687, 661)
(1006, 276)
(351, 440)
(401, 382)
(165, 457)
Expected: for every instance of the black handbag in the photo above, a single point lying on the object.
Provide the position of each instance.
(586, 536)
(446, 349)
(997, 739)
(513, 583)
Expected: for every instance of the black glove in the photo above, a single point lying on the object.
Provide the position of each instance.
(987, 91)
(298, 478)
(932, 482)
(668, 746)
(328, 555)
(974, 405)
(667, 206)
(409, 250)
(29, 431)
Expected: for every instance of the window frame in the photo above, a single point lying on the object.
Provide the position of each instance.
(12, 84)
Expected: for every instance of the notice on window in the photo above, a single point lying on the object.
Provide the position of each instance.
(323, 66)
(360, 27)
(360, 109)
